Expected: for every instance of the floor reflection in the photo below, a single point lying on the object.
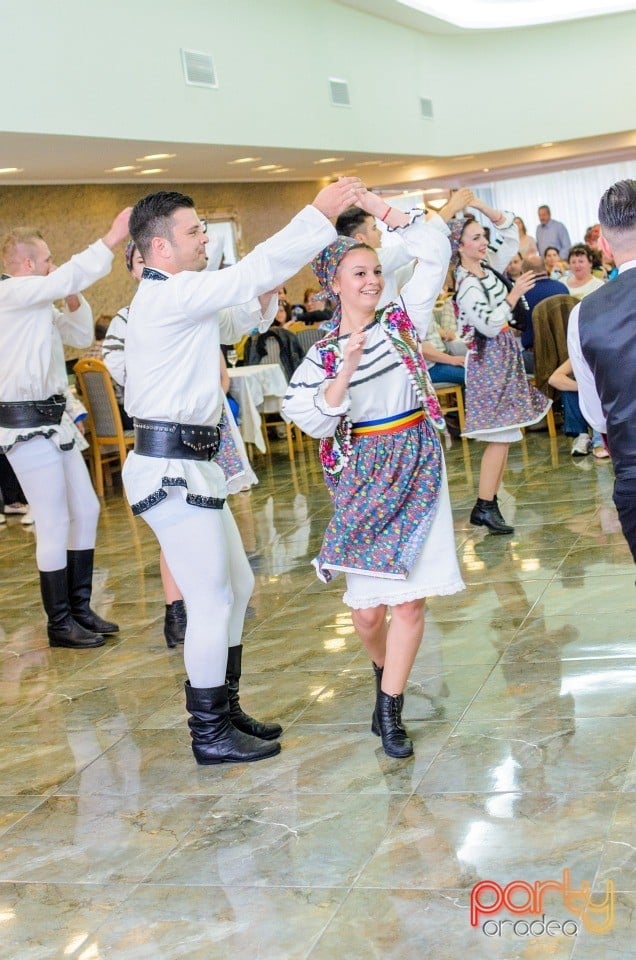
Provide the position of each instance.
(521, 706)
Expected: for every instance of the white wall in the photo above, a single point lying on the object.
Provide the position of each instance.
(112, 69)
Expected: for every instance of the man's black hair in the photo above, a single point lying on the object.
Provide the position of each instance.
(151, 217)
(350, 221)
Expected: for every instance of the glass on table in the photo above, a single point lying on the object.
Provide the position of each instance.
(232, 358)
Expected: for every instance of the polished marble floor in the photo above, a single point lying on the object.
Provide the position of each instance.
(522, 708)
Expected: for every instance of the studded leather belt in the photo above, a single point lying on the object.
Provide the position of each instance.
(176, 441)
(32, 413)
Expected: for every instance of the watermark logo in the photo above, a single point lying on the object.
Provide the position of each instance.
(518, 897)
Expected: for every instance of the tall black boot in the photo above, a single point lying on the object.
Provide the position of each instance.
(214, 738)
(62, 629)
(242, 721)
(175, 623)
(80, 586)
(378, 671)
(395, 740)
(486, 513)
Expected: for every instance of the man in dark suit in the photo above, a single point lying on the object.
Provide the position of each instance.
(602, 348)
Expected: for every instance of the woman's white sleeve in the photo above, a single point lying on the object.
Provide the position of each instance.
(305, 403)
(475, 307)
(427, 242)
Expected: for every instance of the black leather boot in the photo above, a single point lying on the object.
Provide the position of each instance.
(242, 721)
(214, 738)
(486, 513)
(62, 629)
(175, 622)
(378, 671)
(80, 586)
(395, 740)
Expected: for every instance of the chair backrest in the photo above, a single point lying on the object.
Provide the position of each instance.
(98, 394)
(272, 353)
(308, 336)
(550, 327)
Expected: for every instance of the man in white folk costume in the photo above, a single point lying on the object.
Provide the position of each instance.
(177, 321)
(36, 433)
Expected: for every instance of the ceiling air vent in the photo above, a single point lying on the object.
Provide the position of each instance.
(198, 69)
(339, 91)
(426, 108)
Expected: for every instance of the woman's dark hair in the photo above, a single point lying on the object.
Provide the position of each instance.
(556, 249)
(283, 305)
(581, 248)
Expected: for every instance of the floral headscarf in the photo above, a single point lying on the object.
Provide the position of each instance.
(325, 266)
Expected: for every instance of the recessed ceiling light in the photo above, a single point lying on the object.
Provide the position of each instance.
(245, 160)
(486, 169)
(11, 169)
(433, 190)
(120, 169)
(267, 166)
(548, 144)
(157, 156)
(330, 160)
(282, 170)
(152, 170)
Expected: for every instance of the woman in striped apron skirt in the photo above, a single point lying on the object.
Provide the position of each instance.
(364, 391)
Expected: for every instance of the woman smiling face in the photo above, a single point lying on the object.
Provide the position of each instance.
(474, 242)
(359, 281)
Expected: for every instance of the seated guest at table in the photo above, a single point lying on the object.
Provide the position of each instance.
(581, 262)
(574, 423)
(443, 367)
(544, 287)
(513, 269)
(283, 315)
(315, 308)
(556, 268)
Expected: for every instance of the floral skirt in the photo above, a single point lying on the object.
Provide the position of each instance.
(498, 394)
(384, 504)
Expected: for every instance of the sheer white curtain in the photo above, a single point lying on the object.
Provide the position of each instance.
(572, 195)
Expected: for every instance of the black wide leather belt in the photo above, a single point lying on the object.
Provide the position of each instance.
(32, 413)
(176, 441)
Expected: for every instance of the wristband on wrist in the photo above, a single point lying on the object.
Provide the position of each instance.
(387, 212)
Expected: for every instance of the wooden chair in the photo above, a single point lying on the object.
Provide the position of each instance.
(549, 417)
(451, 392)
(109, 442)
(273, 419)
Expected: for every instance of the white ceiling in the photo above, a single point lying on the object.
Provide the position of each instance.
(44, 159)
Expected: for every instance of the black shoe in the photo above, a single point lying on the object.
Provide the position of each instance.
(63, 630)
(378, 671)
(241, 720)
(79, 565)
(214, 738)
(486, 513)
(175, 622)
(395, 739)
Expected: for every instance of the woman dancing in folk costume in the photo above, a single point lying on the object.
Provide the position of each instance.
(364, 390)
(499, 399)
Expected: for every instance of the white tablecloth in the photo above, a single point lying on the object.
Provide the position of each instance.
(258, 389)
